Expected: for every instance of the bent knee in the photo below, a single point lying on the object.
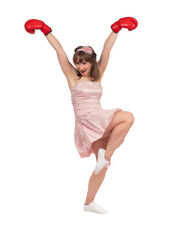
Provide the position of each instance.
(130, 118)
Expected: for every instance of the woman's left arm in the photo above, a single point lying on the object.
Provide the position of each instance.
(127, 22)
(103, 61)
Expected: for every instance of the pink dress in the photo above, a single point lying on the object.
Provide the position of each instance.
(90, 119)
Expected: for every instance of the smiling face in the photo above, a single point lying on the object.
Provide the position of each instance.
(83, 67)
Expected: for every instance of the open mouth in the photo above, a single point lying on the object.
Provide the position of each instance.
(83, 71)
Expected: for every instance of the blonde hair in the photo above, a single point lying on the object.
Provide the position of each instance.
(94, 73)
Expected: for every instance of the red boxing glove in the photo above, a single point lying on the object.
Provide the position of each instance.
(127, 22)
(33, 24)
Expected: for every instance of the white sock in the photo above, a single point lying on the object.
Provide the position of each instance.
(93, 207)
(102, 162)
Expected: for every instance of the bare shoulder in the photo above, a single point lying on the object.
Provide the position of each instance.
(100, 79)
(72, 80)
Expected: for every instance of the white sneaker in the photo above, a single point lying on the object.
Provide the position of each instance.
(102, 162)
(93, 207)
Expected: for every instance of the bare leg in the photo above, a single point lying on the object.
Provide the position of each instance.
(94, 185)
(109, 143)
(95, 181)
(117, 137)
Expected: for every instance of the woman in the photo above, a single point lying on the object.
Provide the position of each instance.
(97, 130)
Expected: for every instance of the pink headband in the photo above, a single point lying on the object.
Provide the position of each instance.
(86, 49)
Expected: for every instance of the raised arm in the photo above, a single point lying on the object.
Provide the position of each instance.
(129, 23)
(103, 61)
(67, 68)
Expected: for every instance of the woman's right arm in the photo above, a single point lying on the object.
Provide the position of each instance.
(67, 68)
(69, 71)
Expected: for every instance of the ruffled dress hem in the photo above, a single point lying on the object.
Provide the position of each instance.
(89, 149)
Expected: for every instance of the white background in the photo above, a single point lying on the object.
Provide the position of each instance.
(43, 180)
